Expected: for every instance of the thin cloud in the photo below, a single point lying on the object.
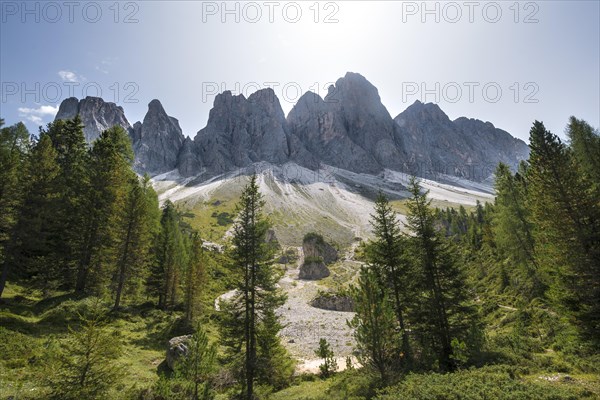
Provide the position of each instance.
(36, 115)
(68, 76)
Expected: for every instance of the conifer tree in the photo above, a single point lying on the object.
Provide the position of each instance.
(36, 234)
(374, 324)
(171, 258)
(110, 174)
(137, 226)
(513, 229)
(251, 312)
(386, 256)
(195, 278)
(566, 212)
(73, 184)
(14, 148)
(443, 312)
(84, 367)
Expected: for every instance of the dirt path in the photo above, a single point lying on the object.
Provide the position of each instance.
(305, 325)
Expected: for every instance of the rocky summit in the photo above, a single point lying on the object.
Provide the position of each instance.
(349, 129)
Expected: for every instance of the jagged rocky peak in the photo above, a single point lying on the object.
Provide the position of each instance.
(350, 128)
(242, 131)
(436, 146)
(157, 141)
(96, 114)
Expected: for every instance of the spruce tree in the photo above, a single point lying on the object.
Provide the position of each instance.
(195, 278)
(73, 184)
(110, 174)
(374, 324)
(85, 366)
(14, 149)
(386, 255)
(513, 229)
(442, 311)
(566, 212)
(171, 258)
(252, 310)
(36, 235)
(137, 227)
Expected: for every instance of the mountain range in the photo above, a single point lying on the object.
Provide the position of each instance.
(348, 129)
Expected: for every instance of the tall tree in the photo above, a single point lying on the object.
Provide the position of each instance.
(566, 211)
(513, 229)
(386, 254)
(110, 173)
(257, 296)
(443, 312)
(137, 227)
(374, 324)
(171, 258)
(73, 184)
(14, 148)
(195, 278)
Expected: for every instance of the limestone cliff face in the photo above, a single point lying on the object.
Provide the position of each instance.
(157, 141)
(349, 129)
(468, 148)
(96, 115)
(242, 131)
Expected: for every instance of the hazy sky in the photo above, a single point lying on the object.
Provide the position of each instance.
(505, 62)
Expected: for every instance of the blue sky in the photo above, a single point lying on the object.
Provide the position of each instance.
(505, 62)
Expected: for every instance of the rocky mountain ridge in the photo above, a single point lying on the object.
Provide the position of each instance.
(349, 129)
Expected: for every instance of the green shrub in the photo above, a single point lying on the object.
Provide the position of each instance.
(486, 383)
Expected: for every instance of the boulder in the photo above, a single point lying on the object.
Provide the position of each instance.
(333, 302)
(314, 246)
(313, 269)
(177, 348)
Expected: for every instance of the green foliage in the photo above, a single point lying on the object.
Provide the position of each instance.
(374, 324)
(442, 308)
(249, 325)
(14, 149)
(485, 383)
(329, 366)
(83, 367)
(387, 255)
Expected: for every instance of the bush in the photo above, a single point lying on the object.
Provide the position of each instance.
(498, 382)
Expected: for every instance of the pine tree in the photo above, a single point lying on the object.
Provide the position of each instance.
(386, 255)
(137, 227)
(251, 312)
(36, 234)
(329, 366)
(198, 366)
(195, 278)
(84, 368)
(14, 148)
(566, 212)
(73, 184)
(171, 258)
(110, 173)
(442, 312)
(513, 229)
(374, 324)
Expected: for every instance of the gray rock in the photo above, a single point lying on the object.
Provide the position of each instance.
(313, 270)
(349, 129)
(314, 247)
(177, 348)
(465, 148)
(243, 131)
(333, 302)
(96, 115)
(158, 141)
